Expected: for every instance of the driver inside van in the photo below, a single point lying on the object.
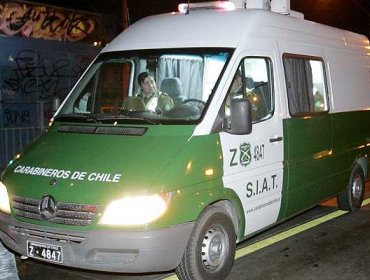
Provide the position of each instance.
(151, 98)
(235, 91)
(243, 87)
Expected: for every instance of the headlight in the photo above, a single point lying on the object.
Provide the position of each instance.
(134, 210)
(4, 199)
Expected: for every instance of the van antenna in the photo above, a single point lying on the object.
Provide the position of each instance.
(188, 9)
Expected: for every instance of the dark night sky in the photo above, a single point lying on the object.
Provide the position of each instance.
(353, 15)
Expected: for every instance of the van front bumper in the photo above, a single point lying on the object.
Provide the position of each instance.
(104, 250)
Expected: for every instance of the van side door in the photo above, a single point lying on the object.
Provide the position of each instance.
(253, 163)
(307, 130)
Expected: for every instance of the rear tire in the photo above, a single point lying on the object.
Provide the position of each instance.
(351, 199)
(211, 248)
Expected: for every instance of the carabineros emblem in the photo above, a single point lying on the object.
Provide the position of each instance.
(245, 154)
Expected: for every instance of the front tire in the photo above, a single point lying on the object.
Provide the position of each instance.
(211, 248)
(351, 199)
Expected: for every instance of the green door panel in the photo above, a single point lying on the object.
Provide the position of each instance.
(319, 151)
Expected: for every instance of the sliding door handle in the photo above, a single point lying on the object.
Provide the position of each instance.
(276, 139)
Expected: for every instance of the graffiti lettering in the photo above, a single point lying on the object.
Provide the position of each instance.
(15, 117)
(34, 75)
(28, 20)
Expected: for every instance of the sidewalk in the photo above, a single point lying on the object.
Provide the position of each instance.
(8, 268)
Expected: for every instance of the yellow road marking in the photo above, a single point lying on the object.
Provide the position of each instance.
(172, 277)
(283, 235)
(366, 202)
(286, 234)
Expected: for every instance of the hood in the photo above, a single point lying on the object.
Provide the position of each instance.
(75, 164)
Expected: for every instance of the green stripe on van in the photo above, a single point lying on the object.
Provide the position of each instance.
(319, 151)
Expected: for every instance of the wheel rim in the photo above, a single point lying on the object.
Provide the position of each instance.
(357, 188)
(214, 247)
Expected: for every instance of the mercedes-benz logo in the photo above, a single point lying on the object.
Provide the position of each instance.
(47, 207)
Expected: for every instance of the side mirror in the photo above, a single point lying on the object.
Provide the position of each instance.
(240, 119)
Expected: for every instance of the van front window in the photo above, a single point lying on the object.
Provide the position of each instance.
(147, 86)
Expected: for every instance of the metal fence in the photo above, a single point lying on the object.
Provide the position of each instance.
(14, 140)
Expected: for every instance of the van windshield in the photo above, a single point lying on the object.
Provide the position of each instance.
(157, 86)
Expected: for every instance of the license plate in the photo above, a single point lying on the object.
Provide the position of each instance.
(45, 251)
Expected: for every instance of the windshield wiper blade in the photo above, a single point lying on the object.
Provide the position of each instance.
(120, 117)
(98, 118)
(76, 117)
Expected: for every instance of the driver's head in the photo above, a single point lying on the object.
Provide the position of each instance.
(147, 83)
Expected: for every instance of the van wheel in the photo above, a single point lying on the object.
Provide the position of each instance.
(351, 199)
(211, 248)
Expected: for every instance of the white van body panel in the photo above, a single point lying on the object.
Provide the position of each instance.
(255, 30)
(202, 28)
(172, 31)
(349, 76)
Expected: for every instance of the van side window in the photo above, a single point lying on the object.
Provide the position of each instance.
(253, 80)
(306, 84)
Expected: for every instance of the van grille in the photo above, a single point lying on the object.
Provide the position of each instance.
(48, 235)
(66, 213)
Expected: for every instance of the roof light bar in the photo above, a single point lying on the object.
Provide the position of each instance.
(219, 5)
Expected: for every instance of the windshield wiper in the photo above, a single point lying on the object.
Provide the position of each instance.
(76, 117)
(126, 117)
(99, 118)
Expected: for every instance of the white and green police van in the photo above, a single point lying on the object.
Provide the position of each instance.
(271, 116)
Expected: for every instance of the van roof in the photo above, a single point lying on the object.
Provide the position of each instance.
(214, 28)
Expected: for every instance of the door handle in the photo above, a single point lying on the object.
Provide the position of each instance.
(276, 139)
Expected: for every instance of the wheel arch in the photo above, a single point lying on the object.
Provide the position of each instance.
(234, 208)
(363, 161)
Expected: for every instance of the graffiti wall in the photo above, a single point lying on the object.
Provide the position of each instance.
(33, 73)
(39, 21)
